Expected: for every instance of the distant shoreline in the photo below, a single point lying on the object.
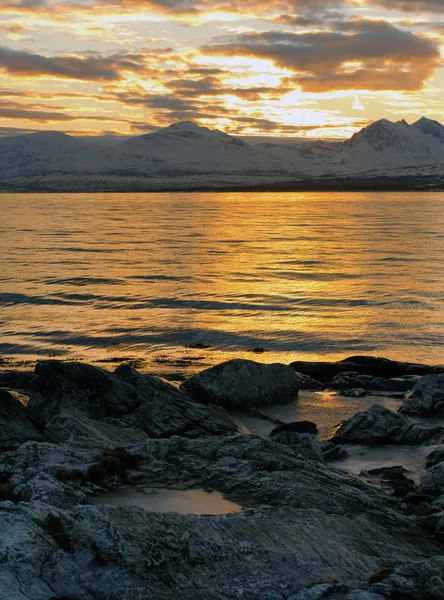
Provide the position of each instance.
(373, 184)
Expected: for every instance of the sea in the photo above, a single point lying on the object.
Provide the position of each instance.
(178, 281)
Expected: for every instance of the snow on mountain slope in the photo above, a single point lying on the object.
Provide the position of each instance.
(386, 145)
(187, 148)
(45, 152)
(309, 158)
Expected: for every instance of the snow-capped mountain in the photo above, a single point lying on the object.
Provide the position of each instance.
(187, 156)
(186, 148)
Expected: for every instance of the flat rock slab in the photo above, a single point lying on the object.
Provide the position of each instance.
(353, 380)
(379, 425)
(242, 383)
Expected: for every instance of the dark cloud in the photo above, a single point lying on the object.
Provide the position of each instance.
(414, 6)
(363, 54)
(90, 67)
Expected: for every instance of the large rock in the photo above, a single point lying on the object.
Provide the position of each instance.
(432, 480)
(15, 426)
(365, 365)
(435, 457)
(379, 425)
(352, 380)
(427, 396)
(93, 400)
(240, 383)
(415, 581)
(302, 443)
(323, 524)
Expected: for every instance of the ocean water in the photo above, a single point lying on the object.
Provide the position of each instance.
(103, 277)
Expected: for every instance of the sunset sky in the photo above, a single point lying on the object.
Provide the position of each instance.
(318, 69)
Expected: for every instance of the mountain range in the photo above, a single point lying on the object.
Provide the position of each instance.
(384, 155)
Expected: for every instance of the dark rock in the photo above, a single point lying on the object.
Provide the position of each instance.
(379, 425)
(432, 480)
(241, 383)
(297, 426)
(17, 380)
(15, 426)
(380, 575)
(365, 365)
(394, 477)
(332, 451)
(347, 380)
(434, 458)
(94, 402)
(302, 443)
(354, 392)
(427, 396)
(415, 581)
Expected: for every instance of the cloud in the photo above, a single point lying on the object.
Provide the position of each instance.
(90, 67)
(361, 54)
(357, 104)
(414, 6)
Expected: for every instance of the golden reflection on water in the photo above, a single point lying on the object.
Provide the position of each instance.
(303, 275)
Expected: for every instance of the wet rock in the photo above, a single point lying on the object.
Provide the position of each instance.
(259, 414)
(379, 425)
(296, 426)
(302, 443)
(332, 451)
(393, 477)
(432, 480)
(240, 383)
(15, 426)
(308, 383)
(365, 365)
(17, 380)
(349, 379)
(354, 392)
(127, 399)
(415, 581)
(435, 457)
(427, 396)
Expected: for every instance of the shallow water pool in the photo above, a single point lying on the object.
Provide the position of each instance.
(194, 502)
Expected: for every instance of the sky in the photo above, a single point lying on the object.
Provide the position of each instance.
(319, 69)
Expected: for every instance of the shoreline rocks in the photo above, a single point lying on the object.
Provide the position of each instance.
(306, 531)
(427, 396)
(242, 383)
(379, 425)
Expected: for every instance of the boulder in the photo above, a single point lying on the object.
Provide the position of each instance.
(365, 365)
(332, 451)
(351, 380)
(393, 477)
(90, 397)
(297, 426)
(17, 380)
(427, 396)
(415, 581)
(435, 457)
(241, 383)
(354, 392)
(15, 426)
(302, 443)
(432, 480)
(379, 425)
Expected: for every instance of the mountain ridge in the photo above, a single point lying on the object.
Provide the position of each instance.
(190, 156)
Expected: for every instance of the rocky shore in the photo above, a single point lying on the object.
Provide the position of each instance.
(72, 434)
